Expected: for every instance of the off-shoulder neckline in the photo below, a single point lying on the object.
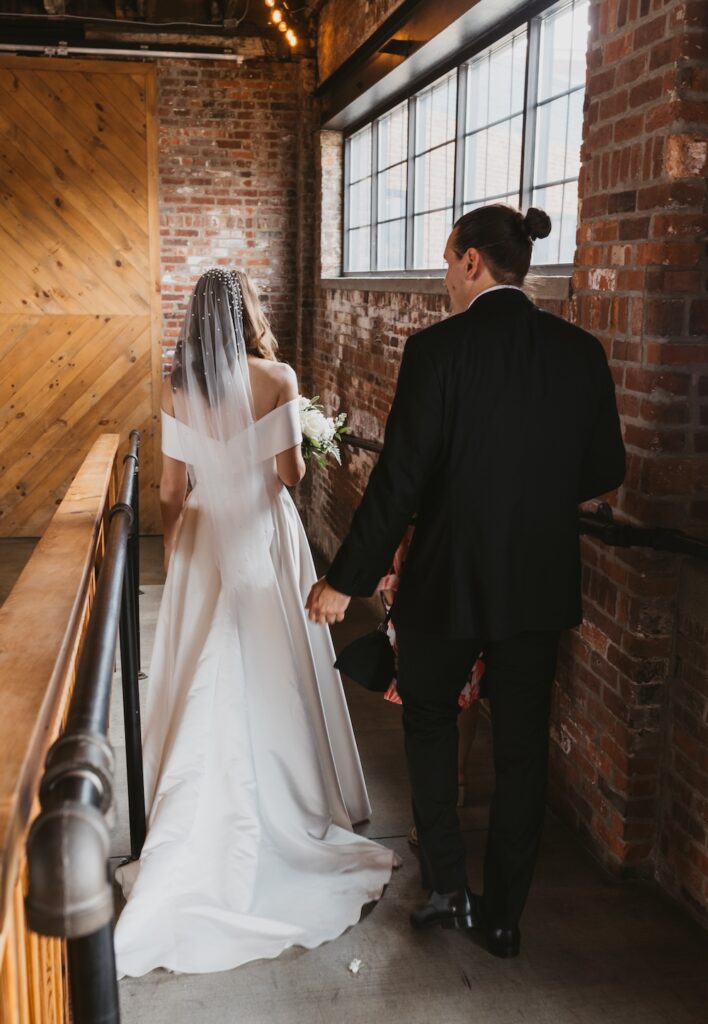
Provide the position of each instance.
(255, 422)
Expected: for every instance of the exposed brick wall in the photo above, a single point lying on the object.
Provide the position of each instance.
(639, 285)
(343, 26)
(682, 856)
(359, 342)
(630, 707)
(235, 162)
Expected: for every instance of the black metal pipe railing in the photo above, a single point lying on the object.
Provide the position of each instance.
(69, 892)
(601, 524)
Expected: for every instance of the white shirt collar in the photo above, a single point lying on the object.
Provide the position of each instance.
(495, 288)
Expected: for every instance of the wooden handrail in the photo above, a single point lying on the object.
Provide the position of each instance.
(41, 628)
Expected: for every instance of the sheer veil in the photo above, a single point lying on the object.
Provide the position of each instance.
(214, 412)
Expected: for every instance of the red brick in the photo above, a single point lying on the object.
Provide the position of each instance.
(671, 354)
(649, 32)
(628, 128)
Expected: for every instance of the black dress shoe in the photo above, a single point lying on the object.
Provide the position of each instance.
(448, 909)
(504, 942)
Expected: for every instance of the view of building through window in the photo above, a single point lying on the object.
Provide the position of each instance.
(492, 130)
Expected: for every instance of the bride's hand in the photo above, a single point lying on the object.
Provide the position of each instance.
(326, 605)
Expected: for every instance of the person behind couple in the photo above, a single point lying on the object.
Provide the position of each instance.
(503, 421)
(252, 775)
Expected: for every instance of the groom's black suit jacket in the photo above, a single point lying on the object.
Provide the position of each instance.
(504, 419)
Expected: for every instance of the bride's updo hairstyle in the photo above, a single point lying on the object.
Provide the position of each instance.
(230, 290)
(504, 237)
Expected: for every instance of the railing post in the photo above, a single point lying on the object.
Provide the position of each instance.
(92, 978)
(131, 716)
(134, 542)
(130, 664)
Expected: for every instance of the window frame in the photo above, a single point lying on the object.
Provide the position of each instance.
(532, 24)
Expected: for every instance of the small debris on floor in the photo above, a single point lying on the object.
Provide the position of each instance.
(354, 966)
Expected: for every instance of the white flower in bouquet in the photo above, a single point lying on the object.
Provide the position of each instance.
(314, 425)
(321, 434)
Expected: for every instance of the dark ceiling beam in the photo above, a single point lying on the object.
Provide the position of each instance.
(422, 40)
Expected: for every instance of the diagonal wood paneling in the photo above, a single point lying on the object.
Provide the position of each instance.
(79, 291)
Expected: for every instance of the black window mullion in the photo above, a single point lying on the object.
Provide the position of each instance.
(528, 145)
(410, 184)
(460, 126)
(374, 205)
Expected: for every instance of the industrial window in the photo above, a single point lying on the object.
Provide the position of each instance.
(504, 126)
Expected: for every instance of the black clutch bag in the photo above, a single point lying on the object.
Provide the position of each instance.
(369, 660)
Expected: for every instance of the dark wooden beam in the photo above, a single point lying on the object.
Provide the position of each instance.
(438, 35)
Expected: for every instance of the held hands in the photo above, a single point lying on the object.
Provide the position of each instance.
(326, 605)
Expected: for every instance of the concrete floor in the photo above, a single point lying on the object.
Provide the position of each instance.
(594, 951)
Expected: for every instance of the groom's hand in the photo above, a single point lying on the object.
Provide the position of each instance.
(325, 604)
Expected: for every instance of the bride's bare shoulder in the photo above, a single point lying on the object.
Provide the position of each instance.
(278, 380)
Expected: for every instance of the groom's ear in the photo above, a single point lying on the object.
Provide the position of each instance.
(473, 264)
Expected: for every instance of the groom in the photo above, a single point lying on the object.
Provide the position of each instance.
(503, 421)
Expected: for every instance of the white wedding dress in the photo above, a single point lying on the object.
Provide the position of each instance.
(252, 775)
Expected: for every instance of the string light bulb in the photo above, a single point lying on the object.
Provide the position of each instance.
(277, 18)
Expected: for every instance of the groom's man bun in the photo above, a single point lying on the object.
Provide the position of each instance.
(537, 223)
(503, 236)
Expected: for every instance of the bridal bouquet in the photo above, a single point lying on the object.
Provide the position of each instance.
(321, 435)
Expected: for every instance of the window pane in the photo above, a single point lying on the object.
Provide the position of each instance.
(391, 245)
(547, 250)
(435, 112)
(575, 134)
(493, 161)
(359, 254)
(556, 52)
(393, 137)
(562, 67)
(360, 203)
(430, 233)
(504, 69)
(569, 222)
(551, 129)
(511, 200)
(435, 178)
(578, 60)
(360, 154)
(392, 193)
(564, 41)
(478, 93)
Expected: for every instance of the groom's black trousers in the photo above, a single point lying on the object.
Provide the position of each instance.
(519, 676)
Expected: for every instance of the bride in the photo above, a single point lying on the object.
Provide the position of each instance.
(252, 774)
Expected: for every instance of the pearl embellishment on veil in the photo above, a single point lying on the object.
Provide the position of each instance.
(233, 285)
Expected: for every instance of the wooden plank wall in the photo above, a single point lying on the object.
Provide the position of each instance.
(50, 602)
(79, 277)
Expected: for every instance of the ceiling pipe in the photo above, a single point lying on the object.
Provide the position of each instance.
(66, 51)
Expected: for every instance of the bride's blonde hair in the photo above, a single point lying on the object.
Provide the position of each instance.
(260, 340)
